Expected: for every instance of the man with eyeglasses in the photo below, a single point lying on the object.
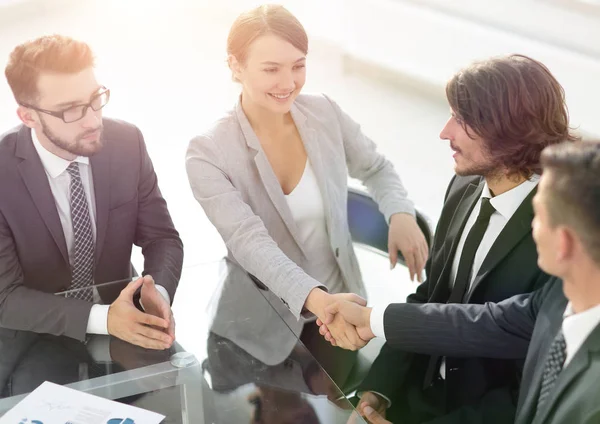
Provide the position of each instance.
(77, 191)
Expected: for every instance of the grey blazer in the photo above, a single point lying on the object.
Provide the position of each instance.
(234, 183)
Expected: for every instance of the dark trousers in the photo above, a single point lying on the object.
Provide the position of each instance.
(62, 360)
(415, 405)
(49, 358)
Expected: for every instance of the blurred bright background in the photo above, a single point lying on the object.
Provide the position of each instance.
(384, 61)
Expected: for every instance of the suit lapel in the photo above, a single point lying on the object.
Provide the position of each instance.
(268, 177)
(35, 179)
(515, 230)
(527, 411)
(461, 214)
(100, 164)
(457, 224)
(579, 364)
(315, 156)
(548, 322)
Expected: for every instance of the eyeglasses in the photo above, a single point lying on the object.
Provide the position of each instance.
(75, 113)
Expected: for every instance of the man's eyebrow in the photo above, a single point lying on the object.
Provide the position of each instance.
(74, 103)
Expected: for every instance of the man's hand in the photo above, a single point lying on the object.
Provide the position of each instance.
(373, 416)
(369, 399)
(352, 313)
(406, 236)
(373, 401)
(155, 304)
(345, 334)
(127, 323)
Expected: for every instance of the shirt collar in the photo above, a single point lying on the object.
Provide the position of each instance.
(507, 203)
(54, 165)
(568, 311)
(577, 327)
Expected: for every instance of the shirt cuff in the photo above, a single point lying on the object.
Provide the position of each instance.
(163, 292)
(98, 320)
(377, 327)
(382, 396)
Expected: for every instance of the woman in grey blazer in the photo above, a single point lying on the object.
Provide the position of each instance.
(272, 175)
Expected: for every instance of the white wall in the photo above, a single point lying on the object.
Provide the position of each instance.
(430, 44)
(429, 40)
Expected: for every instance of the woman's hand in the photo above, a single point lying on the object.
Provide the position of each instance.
(406, 236)
(344, 333)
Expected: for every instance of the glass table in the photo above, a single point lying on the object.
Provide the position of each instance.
(223, 368)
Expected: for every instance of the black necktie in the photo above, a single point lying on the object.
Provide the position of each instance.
(465, 266)
(552, 367)
(82, 271)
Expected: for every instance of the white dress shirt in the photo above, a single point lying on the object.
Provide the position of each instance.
(505, 205)
(308, 209)
(59, 180)
(577, 327)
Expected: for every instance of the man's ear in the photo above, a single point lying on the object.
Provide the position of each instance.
(27, 116)
(567, 241)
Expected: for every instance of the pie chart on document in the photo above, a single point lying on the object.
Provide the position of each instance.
(120, 421)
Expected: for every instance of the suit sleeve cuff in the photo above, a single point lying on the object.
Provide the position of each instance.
(405, 206)
(377, 314)
(298, 300)
(98, 320)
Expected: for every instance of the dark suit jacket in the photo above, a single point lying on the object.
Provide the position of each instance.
(509, 268)
(519, 327)
(34, 261)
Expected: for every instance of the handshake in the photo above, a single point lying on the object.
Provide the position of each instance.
(344, 319)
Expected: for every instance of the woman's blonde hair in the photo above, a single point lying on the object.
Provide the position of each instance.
(266, 19)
